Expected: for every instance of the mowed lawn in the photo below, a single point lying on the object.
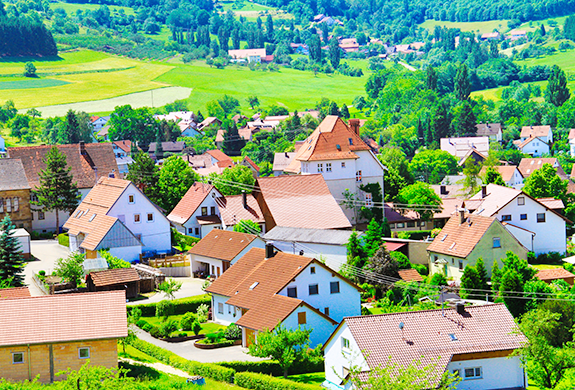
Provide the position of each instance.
(564, 59)
(482, 27)
(290, 88)
(71, 8)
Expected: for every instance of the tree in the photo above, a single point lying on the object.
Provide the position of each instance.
(240, 174)
(315, 52)
(469, 283)
(512, 286)
(334, 52)
(127, 123)
(355, 251)
(253, 101)
(431, 78)
(170, 287)
(397, 175)
(493, 50)
(174, 180)
(56, 191)
(344, 112)
(372, 238)
(283, 345)
(464, 120)
(11, 261)
(70, 268)
(433, 165)
(29, 70)
(247, 226)
(159, 152)
(71, 128)
(421, 198)
(233, 143)
(471, 180)
(545, 183)
(382, 263)
(557, 92)
(144, 174)
(482, 274)
(495, 278)
(462, 83)
(229, 104)
(270, 28)
(492, 176)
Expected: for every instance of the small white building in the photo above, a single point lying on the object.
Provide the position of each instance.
(23, 239)
(475, 343)
(2, 145)
(265, 288)
(542, 132)
(98, 122)
(460, 147)
(571, 138)
(116, 215)
(533, 146)
(491, 130)
(510, 174)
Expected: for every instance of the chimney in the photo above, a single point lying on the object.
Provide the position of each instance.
(112, 174)
(286, 154)
(461, 216)
(483, 191)
(82, 148)
(460, 308)
(269, 250)
(245, 199)
(443, 190)
(354, 125)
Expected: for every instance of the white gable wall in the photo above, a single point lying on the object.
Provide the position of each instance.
(536, 148)
(321, 326)
(198, 262)
(48, 224)
(230, 313)
(337, 357)
(334, 255)
(516, 180)
(497, 373)
(190, 226)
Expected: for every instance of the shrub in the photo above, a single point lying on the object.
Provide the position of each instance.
(568, 267)
(42, 273)
(140, 371)
(421, 269)
(164, 309)
(250, 380)
(271, 367)
(202, 313)
(196, 327)
(168, 327)
(63, 239)
(549, 258)
(233, 332)
(155, 332)
(401, 259)
(187, 320)
(214, 338)
(179, 306)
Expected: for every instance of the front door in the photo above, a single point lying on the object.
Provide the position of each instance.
(250, 337)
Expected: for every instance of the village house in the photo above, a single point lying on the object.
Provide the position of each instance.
(302, 291)
(168, 148)
(249, 163)
(219, 250)
(533, 146)
(116, 215)
(516, 34)
(529, 165)
(209, 121)
(185, 121)
(409, 220)
(490, 36)
(539, 228)
(476, 343)
(462, 147)
(42, 336)
(491, 130)
(282, 161)
(98, 122)
(570, 137)
(246, 134)
(336, 152)
(299, 201)
(248, 55)
(510, 174)
(123, 153)
(467, 237)
(15, 193)
(349, 45)
(88, 163)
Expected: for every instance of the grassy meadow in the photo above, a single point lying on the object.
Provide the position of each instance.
(480, 27)
(251, 11)
(71, 8)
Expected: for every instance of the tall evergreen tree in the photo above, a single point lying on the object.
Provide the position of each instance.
(270, 28)
(344, 111)
(569, 28)
(493, 50)
(482, 275)
(334, 52)
(470, 283)
(464, 120)
(233, 143)
(431, 78)
(159, 152)
(57, 190)
(462, 83)
(557, 92)
(314, 46)
(11, 261)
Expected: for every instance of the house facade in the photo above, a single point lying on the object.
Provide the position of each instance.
(533, 146)
(491, 130)
(510, 174)
(76, 328)
(15, 194)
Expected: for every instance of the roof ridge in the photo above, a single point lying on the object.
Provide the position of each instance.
(423, 311)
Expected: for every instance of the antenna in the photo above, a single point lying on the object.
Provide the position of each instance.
(401, 326)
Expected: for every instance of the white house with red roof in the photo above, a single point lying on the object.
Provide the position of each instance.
(475, 343)
(98, 122)
(265, 288)
(336, 151)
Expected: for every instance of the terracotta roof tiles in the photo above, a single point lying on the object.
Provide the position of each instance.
(529, 165)
(111, 277)
(15, 292)
(222, 244)
(535, 131)
(232, 209)
(410, 275)
(550, 274)
(218, 155)
(190, 202)
(506, 171)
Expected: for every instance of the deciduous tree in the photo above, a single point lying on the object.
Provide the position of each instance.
(557, 92)
(175, 179)
(144, 174)
(421, 198)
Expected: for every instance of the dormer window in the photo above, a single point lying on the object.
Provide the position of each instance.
(350, 141)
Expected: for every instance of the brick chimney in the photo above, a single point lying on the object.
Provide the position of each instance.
(483, 191)
(269, 250)
(82, 148)
(245, 199)
(461, 216)
(354, 125)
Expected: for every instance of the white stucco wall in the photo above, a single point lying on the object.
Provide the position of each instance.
(48, 224)
(497, 373)
(334, 255)
(192, 223)
(321, 327)
(196, 260)
(337, 357)
(128, 253)
(536, 148)
(231, 313)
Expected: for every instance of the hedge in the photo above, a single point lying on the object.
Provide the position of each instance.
(179, 306)
(271, 367)
(414, 234)
(207, 370)
(64, 240)
(250, 380)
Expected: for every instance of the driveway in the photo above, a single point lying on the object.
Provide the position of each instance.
(45, 252)
(187, 350)
(190, 287)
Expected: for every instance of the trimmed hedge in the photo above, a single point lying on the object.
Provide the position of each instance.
(250, 380)
(271, 367)
(414, 234)
(179, 306)
(64, 240)
(207, 370)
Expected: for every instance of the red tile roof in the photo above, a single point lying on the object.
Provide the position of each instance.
(112, 277)
(190, 202)
(252, 163)
(232, 209)
(97, 161)
(535, 131)
(506, 171)
(15, 292)
(571, 134)
(410, 275)
(393, 246)
(550, 274)
(218, 155)
(301, 201)
(63, 318)
(222, 244)
(529, 165)
(552, 203)
(125, 145)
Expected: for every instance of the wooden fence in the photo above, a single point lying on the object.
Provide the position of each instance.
(181, 260)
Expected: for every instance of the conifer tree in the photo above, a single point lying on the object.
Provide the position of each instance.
(11, 261)
(431, 78)
(495, 277)
(462, 83)
(344, 112)
(334, 52)
(469, 282)
(57, 190)
(482, 275)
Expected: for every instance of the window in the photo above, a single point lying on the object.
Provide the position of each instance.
(150, 217)
(313, 289)
(368, 199)
(358, 176)
(344, 343)
(343, 164)
(197, 231)
(1, 205)
(204, 211)
(320, 167)
(84, 353)
(521, 201)
(17, 357)
(213, 210)
(131, 199)
(312, 270)
(452, 337)
(392, 226)
(301, 318)
(350, 141)
(505, 218)
(136, 218)
(292, 292)
(473, 373)
(328, 167)
(523, 217)
(497, 242)
(16, 204)
(92, 217)
(540, 217)
(8, 205)
(220, 308)
(34, 198)
(411, 224)
(461, 265)
(456, 372)
(326, 311)
(190, 231)
(400, 225)
(334, 287)
(41, 215)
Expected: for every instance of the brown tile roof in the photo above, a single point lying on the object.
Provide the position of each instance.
(535, 131)
(172, 146)
(208, 121)
(283, 160)
(521, 144)
(63, 318)
(552, 203)
(125, 145)
(302, 201)
(425, 336)
(529, 165)
(506, 171)
(218, 155)
(190, 202)
(12, 175)
(232, 209)
(111, 277)
(15, 292)
(410, 275)
(97, 161)
(209, 220)
(332, 140)
(201, 161)
(552, 274)
(222, 244)
(245, 133)
(487, 129)
(460, 239)
(251, 163)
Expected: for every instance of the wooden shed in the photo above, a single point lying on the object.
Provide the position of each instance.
(550, 275)
(126, 279)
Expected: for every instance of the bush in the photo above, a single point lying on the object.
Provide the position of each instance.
(64, 240)
(214, 338)
(250, 380)
(549, 258)
(164, 309)
(156, 332)
(233, 332)
(415, 234)
(168, 327)
(140, 371)
(569, 267)
(202, 313)
(401, 259)
(421, 269)
(42, 273)
(179, 306)
(271, 367)
(187, 321)
(196, 327)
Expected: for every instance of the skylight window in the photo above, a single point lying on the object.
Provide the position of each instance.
(444, 237)
(453, 337)
(92, 217)
(452, 246)
(254, 285)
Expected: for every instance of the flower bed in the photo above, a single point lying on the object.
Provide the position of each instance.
(202, 344)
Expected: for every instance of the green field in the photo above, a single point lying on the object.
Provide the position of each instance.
(26, 83)
(481, 27)
(71, 8)
(251, 11)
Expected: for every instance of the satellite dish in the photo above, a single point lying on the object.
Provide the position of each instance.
(401, 325)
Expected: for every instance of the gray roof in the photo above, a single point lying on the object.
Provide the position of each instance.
(174, 146)
(95, 264)
(316, 236)
(282, 160)
(12, 175)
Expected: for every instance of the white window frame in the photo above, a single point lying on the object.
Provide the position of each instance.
(358, 177)
(328, 167)
(368, 199)
(1, 205)
(345, 344)
(15, 204)
(131, 199)
(320, 167)
(220, 308)
(8, 205)
(496, 242)
(41, 215)
(544, 218)
(474, 376)
(14, 354)
(521, 201)
(343, 164)
(80, 349)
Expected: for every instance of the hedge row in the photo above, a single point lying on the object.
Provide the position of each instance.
(250, 380)
(207, 370)
(180, 306)
(273, 368)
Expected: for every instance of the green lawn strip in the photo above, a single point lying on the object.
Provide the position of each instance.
(545, 266)
(71, 8)
(135, 354)
(207, 327)
(314, 378)
(31, 83)
(482, 27)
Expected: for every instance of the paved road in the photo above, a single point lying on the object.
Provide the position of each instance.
(46, 253)
(187, 350)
